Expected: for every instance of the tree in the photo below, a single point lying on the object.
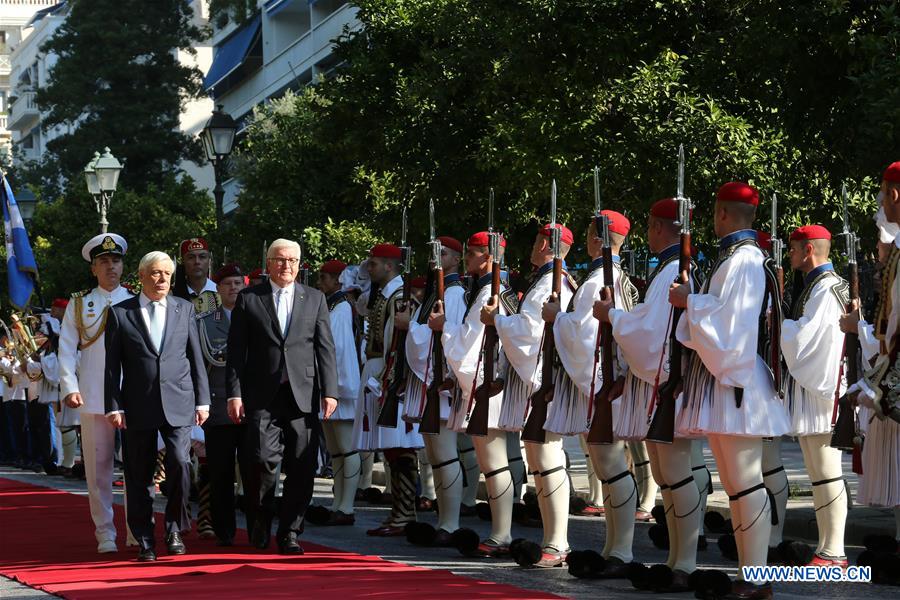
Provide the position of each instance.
(155, 219)
(445, 99)
(118, 83)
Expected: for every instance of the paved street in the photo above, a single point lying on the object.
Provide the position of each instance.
(584, 533)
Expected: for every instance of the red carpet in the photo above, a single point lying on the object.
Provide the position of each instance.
(47, 542)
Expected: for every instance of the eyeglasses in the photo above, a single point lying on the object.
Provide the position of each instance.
(285, 261)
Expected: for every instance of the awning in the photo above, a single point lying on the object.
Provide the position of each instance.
(273, 7)
(232, 53)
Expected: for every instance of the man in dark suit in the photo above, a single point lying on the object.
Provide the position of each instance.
(155, 383)
(281, 362)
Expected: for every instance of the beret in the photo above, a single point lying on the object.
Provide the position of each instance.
(334, 267)
(736, 191)
(892, 173)
(386, 251)
(810, 232)
(481, 239)
(196, 243)
(565, 235)
(452, 243)
(618, 223)
(229, 270)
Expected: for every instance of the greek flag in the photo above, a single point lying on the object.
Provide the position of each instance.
(20, 266)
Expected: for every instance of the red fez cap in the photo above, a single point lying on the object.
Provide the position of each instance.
(810, 232)
(197, 243)
(386, 251)
(618, 223)
(667, 208)
(481, 239)
(452, 243)
(334, 267)
(736, 191)
(565, 235)
(892, 173)
(418, 281)
(764, 240)
(230, 270)
(60, 303)
(256, 273)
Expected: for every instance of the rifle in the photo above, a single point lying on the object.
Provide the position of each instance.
(601, 429)
(478, 420)
(662, 425)
(534, 425)
(844, 429)
(431, 414)
(395, 371)
(777, 248)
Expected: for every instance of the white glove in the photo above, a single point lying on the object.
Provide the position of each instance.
(866, 396)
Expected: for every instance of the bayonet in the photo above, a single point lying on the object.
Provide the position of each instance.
(555, 231)
(597, 205)
(850, 239)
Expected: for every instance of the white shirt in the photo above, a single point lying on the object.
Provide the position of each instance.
(287, 295)
(145, 314)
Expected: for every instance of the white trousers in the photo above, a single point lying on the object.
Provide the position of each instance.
(98, 445)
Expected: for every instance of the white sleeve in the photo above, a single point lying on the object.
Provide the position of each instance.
(50, 367)
(812, 344)
(68, 353)
(722, 326)
(575, 333)
(868, 343)
(345, 351)
(418, 346)
(521, 333)
(641, 333)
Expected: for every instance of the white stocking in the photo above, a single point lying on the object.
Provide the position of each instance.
(595, 492)
(619, 498)
(647, 487)
(426, 476)
(367, 462)
(552, 488)
(653, 451)
(777, 483)
(743, 483)
(448, 479)
(345, 464)
(516, 464)
(491, 453)
(388, 482)
(701, 475)
(829, 492)
(687, 514)
(69, 441)
(469, 464)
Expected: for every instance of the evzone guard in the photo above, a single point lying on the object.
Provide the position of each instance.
(427, 398)
(522, 336)
(729, 393)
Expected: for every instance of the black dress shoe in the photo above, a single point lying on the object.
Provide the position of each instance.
(287, 544)
(146, 555)
(261, 534)
(174, 544)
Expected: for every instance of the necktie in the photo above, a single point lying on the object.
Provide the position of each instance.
(156, 325)
(282, 311)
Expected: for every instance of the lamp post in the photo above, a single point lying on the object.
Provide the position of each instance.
(218, 141)
(102, 177)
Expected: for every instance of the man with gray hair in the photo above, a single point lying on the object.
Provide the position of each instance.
(156, 385)
(281, 367)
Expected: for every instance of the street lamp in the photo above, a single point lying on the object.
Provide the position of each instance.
(102, 176)
(218, 141)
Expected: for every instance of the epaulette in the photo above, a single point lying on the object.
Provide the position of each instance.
(510, 301)
(82, 293)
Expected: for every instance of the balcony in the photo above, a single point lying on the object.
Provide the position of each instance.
(5, 65)
(4, 120)
(24, 113)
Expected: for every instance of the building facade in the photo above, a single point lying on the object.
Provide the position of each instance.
(14, 15)
(31, 70)
(288, 44)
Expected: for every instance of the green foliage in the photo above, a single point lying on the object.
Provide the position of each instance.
(445, 99)
(156, 219)
(348, 241)
(118, 80)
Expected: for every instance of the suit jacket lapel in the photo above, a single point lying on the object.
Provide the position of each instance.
(137, 318)
(268, 300)
(299, 300)
(173, 313)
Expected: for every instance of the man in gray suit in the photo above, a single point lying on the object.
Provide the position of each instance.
(281, 365)
(155, 384)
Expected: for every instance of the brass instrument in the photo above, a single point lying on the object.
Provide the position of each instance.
(21, 341)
